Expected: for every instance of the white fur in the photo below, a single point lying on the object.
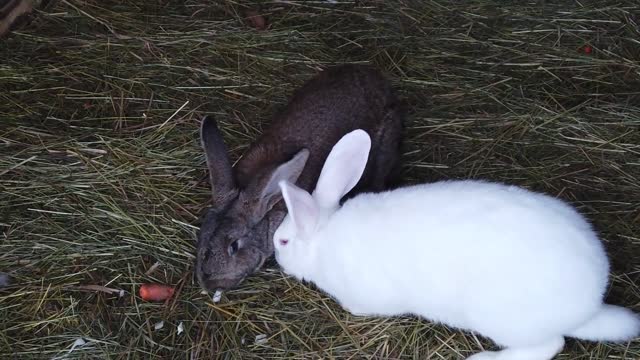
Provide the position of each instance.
(521, 268)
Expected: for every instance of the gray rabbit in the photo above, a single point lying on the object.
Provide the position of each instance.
(235, 237)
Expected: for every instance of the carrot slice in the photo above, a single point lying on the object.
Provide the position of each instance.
(156, 292)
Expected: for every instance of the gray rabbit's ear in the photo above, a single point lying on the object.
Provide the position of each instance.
(264, 193)
(223, 186)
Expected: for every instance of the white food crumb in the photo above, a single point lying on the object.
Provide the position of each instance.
(79, 342)
(217, 296)
(180, 328)
(121, 293)
(261, 339)
(204, 292)
(159, 325)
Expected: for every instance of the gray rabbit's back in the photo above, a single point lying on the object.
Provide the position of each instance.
(338, 100)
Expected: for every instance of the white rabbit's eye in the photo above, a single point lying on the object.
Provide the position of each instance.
(284, 242)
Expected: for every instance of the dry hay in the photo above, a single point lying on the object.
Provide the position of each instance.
(101, 176)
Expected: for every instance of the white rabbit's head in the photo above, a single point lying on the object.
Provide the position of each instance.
(296, 238)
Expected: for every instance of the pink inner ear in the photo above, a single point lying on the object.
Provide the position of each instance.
(284, 241)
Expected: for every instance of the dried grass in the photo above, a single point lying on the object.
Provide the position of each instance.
(102, 178)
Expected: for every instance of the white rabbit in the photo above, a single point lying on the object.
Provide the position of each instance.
(521, 268)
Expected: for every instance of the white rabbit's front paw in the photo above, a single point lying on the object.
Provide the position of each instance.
(485, 355)
(357, 312)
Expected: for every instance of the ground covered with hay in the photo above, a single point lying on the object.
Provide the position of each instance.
(102, 180)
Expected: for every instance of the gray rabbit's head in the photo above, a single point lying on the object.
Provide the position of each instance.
(234, 239)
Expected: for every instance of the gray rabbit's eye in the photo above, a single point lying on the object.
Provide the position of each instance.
(233, 248)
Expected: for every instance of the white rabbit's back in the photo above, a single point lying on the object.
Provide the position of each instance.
(466, 253)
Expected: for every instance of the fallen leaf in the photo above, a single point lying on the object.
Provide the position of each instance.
(256, 20)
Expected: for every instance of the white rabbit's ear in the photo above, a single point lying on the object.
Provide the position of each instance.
(343, 168)
(301, 206)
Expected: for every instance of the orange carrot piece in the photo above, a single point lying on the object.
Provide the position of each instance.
(156, 292)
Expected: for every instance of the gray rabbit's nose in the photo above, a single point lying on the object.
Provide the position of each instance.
(207, 282)
(206, 274)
